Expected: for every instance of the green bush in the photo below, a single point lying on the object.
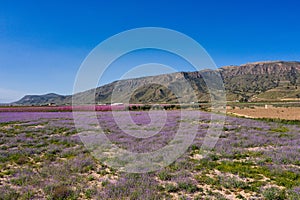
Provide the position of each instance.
(164, 176)
(189, 187)
(274, 193)
(171, 188)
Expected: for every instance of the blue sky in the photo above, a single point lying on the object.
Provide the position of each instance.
(43, 43)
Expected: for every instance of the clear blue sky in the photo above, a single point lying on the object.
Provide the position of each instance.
(42, 43)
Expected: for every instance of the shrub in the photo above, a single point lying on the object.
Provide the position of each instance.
(171, 188)
(62, 192)
(8, 193)
(274, 193)
(164, 176)
(21, 160)
(189, 187)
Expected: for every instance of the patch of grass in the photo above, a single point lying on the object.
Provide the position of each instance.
(22, 160)
(225, 128)
(204, 179)
(68, 154)
(104, 183)
(164, 176)
(89, 193)
(194, 147)
(27, 195)
(19, 181)
(8, 193)
(280, 129)
(189, 187)
(17, 158)
(214, 157)
(287, 179)
(249, 170)
(282, 121)
(258, 128)
(91, 178)
(243, 169)
(171, 187)
(239, 196)
(274, 193)
(232, 183)
(281, 135)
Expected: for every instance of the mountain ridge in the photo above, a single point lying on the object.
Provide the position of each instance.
(258, 81)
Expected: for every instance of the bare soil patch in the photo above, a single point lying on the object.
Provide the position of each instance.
(290, 113)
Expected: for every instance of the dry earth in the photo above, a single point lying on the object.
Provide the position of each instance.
(269, 112)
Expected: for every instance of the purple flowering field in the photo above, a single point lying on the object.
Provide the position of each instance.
(43, 157)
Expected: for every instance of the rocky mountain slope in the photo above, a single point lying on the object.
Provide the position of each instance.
(46, 99)
(261, 81)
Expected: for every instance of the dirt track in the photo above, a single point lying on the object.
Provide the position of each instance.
(273, 112)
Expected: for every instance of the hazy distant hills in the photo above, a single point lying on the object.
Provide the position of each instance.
(261, 81)
(43, 99)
